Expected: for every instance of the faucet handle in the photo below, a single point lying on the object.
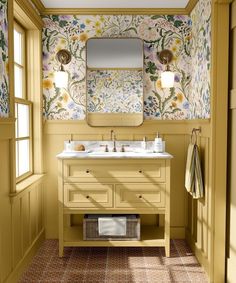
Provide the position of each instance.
(106, 147)
(123, 147)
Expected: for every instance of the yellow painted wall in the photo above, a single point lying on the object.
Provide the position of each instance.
(231, 276)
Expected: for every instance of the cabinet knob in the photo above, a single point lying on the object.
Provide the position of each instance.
(140, 171)
(87, 196)
(140, 196)
(87, 171)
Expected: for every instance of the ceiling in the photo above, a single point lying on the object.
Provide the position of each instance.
(162, 4)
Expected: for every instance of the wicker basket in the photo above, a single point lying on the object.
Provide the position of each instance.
(90, 229)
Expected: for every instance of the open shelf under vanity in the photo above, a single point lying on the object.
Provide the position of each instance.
(151, 236)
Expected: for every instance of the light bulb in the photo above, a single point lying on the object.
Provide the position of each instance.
(61, 79)
(167, 79)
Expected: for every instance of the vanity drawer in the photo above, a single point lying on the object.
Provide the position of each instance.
(88, 195)
(140, 195)
(118, 170)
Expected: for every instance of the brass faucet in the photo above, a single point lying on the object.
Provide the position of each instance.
(113, 138)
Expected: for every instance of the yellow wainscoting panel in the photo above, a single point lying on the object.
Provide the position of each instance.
(5, 211)
(27, 222)
(199, 225)
(21, 220)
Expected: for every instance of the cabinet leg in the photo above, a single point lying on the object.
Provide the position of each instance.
(167, 249)
(61, 250)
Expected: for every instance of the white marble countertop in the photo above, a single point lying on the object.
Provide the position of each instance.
(96, 150)
(113, 155)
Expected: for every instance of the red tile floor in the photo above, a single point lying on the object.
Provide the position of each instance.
(114, 265)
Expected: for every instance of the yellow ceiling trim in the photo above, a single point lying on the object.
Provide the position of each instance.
(22, 8)
(114, 11)
(190, 6)
(39, 5)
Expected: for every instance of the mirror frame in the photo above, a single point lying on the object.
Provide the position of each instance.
(97, 119)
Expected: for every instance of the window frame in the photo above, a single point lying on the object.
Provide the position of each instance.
(24, 101)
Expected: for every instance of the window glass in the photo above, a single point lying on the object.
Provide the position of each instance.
(18, 78)
(23, 151)
(17, 47)
(23, 121)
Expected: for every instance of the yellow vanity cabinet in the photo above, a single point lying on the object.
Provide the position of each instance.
(89, 185)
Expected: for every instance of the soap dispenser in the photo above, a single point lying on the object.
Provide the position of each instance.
(158, 144)
(68, 146)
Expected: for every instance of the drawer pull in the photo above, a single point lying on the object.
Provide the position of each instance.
(87, 196)
(140, 196)
(87, 171)
(140, 171)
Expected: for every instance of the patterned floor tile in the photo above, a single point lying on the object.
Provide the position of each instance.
(114, 265)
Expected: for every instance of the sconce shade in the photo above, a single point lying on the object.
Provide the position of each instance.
(61, 76)
(167, 79)
(61, 79)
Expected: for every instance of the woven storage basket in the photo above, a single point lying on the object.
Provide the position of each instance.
(90, 229)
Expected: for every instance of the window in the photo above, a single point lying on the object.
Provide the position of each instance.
(23, 107)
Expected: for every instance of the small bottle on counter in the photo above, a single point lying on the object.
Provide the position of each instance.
(144, 143)
(158, 145)
(68, 146)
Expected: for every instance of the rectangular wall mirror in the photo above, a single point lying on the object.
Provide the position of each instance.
(114, 81)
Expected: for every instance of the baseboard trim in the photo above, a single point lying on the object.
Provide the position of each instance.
(23, 263)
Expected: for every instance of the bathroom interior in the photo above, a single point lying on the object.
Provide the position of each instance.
(100, 103)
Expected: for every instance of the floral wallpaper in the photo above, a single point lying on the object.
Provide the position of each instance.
(157, 31)
(4, 91)
(199, 96)
(115, 91)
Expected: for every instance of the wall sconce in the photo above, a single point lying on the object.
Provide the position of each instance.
(167, 77)
(61, 76)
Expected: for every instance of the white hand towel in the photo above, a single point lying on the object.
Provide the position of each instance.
(112, 226)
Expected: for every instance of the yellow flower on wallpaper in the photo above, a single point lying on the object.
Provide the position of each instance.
(177, 41)
(75, 37)
(97, 24)
(174, 48)
(87, 21)
(47, 83)
(63, 41)
(158, 84)
(83, 37)
(98, 31)
(65, 97)
(102, 19)
(180, 97)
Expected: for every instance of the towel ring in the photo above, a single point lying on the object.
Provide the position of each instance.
(194, 135)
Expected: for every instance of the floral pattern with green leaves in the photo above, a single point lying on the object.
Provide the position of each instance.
(157, 31)
(4, 88)
(115, 91)
(201, 60)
